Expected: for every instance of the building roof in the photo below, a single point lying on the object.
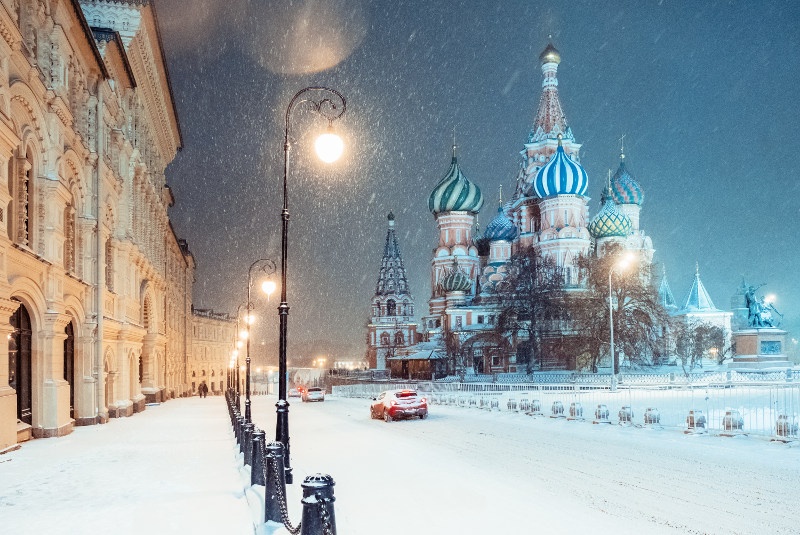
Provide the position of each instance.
(698, 299)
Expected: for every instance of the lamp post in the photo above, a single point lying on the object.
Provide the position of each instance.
(621, 264)
(268, 267)
(331, 105)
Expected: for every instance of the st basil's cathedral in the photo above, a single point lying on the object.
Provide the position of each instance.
(549, 211)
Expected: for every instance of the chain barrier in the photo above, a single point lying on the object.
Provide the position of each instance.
(282, 501)
(324, 515)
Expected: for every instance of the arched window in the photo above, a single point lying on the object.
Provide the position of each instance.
(21, 185)
(391, 307)
(399, 339)
(384, 339)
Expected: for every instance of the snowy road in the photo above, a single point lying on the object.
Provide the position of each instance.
(468, 471)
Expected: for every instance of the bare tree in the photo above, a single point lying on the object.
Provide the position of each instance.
(530, 301)
(696, 339)
(639, 318)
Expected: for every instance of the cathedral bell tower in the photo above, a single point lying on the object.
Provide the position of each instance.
(391, 329)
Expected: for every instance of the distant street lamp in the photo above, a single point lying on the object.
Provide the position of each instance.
(331, 105)
(620, 264)
(267, 266)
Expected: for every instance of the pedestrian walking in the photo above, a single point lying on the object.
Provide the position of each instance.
(203, 390)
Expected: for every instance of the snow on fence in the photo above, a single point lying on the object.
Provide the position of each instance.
(729, 407)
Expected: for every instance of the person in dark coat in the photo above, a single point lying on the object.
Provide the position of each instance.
(202, 390)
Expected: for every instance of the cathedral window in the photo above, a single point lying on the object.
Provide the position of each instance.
(391, 307)
(384, 339)
(399, 339)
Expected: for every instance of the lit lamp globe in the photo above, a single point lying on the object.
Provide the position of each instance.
(268, 287)
(329, 146)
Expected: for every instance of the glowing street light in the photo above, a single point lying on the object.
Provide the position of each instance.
(331, 105)
(268, 267)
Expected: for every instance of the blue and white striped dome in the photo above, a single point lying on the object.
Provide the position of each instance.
(501, 228)
(454, 193)
(609, 221)
(624, 187)
(560, 176)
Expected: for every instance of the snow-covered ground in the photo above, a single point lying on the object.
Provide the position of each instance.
(174, 469)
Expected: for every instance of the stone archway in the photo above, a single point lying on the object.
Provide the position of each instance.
(20, 363)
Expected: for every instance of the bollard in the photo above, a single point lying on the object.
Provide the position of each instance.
(695, 422)
(240, 433)
(275, 491)
(651, 416)
(785, 426)
(575, 411)
(318, 515)
(601, 414)
(625, 415)
(258, 447)
(247, 441)
(732, 421)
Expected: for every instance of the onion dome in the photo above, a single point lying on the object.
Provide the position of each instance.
(550, 55)
(456, 280)
(609, 221)
(624, 187)
(501, 228)
(561, 176)
(481, 243)
(454, 193)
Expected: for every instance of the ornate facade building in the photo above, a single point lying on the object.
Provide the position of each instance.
(95, 287)
(213, 335)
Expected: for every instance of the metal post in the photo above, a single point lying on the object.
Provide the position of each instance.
(257, 468)
(275, 486)
(611, 323)
(318, 516)
(247, 442)
(282, 406)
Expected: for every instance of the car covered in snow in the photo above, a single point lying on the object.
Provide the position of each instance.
(313, 394)
(396, 404)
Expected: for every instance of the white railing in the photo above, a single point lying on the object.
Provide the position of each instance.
(729, 407)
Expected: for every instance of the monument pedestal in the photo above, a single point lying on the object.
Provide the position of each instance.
(760, 348)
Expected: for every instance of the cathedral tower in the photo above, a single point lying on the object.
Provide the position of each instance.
(391, 329)
(454, 203)
(550, 204)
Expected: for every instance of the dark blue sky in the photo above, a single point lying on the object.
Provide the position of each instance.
(705, 92)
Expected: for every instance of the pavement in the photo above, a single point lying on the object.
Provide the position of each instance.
(173, 468)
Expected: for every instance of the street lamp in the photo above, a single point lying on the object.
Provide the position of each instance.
(267, 266)
(620, 264)
(331, 105)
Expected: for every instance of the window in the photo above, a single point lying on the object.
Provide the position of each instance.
(391, 307)
(480, 318)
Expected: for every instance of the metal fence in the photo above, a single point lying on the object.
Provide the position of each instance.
(731, 406)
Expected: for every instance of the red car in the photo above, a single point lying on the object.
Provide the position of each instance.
(395, 404)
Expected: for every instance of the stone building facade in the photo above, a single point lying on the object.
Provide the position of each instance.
(213, 336)
(95, 286)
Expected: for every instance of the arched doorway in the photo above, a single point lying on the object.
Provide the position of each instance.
(19, 363)
(69, 366)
